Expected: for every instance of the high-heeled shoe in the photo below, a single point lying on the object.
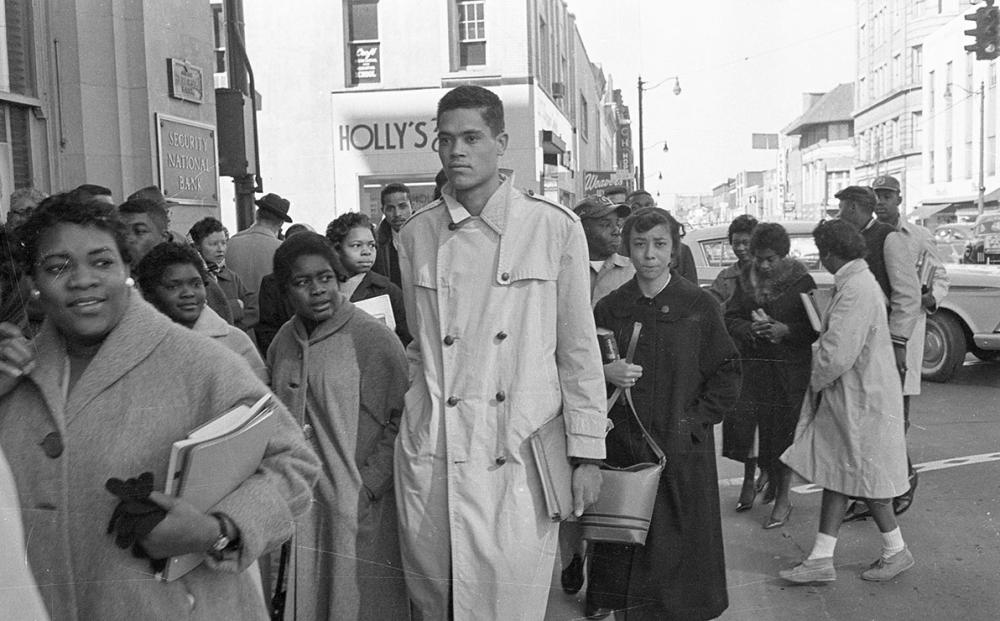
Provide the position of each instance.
(774, 522)
(747, 495)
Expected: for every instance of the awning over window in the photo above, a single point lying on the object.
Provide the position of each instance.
(927, 210)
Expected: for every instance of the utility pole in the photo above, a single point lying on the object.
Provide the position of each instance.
(642, 156)
(238, 69)
(982, 158)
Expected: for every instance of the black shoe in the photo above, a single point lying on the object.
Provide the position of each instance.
(572, 576)
(902, 502)
(857, 510)
(597, 612)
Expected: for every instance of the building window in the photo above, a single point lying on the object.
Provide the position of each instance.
(584, 118)
(17, 58)
(362, 33)
(916, 130)
(916, 63)
(948, 163)
(471, 33)
(930, 167)
(219, 37)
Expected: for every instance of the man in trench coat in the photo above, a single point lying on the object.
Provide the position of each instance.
(495, 281)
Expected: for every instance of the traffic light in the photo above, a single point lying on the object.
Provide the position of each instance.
(986, 33)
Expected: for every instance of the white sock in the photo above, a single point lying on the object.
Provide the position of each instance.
(823, 547)
(892, 542)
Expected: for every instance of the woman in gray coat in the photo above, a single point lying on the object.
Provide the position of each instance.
(102, 392)
(849, 438)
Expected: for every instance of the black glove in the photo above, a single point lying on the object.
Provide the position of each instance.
(135, 516)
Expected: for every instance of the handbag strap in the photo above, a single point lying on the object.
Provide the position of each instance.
(633, 341)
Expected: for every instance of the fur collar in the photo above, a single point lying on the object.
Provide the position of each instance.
(765, 289)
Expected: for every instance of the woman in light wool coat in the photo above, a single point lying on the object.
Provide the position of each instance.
(103, 391)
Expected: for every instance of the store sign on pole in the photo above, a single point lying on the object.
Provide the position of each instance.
(594, 181)
(188, 161)
(624, 148)
(365, 62)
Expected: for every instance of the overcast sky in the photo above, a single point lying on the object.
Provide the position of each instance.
(743, 67)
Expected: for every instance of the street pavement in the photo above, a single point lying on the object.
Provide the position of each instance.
(953, 528)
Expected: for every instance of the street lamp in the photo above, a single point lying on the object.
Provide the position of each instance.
(642, 87)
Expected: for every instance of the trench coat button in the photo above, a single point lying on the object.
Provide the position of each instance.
(293, 384)
(501, 460)
(452, 226)
(449, 340)
(505, 277)
(501, 397)
(307, 431)
(52, 444)
(501, 335)
(453, 401)
(45, 506)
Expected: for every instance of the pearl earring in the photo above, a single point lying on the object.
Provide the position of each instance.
(129, 282)
(35, 294)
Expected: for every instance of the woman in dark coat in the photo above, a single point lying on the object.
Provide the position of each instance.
(768, 321)
(689, 378)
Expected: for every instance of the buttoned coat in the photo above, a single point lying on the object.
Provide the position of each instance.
(690, 382)
(499, 307)
(344, 382)
(852, 442)
(151, 382)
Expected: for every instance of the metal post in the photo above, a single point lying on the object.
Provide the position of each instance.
(244, 186)
(642, 157)
(982, 149)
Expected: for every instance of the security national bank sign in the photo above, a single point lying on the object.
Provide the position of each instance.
(188, 161)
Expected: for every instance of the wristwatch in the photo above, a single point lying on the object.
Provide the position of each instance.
(228, 538)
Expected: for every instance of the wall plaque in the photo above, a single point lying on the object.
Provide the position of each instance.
(188, 161)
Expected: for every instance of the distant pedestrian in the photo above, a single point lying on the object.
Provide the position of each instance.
(849, 438)
(684, 260)
(353, 238)
(147, 225)
(689, 381)
(738, 236)
(342, 374)
(767, 320)
(23, 202)
(396, 209)
(210, 239)
(616, 194)
(250, 251)
(274, 307)
(892, 263)
(602, 224)
(173, 278)
(934, 284)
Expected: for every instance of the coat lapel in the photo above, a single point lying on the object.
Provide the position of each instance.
(131, 341)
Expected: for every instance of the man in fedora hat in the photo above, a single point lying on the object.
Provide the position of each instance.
(251, 251)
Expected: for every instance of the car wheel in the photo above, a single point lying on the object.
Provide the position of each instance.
(944, 347)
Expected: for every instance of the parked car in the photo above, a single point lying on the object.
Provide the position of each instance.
(951, 240)
(984, 247)
(967, 320)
